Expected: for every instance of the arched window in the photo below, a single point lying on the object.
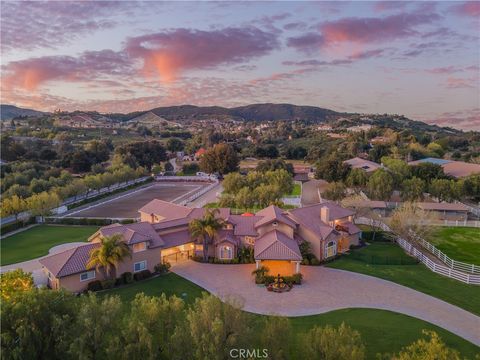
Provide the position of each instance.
(330, 249)
(226, 252)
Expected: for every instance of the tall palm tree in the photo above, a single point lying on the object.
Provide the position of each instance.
(205, 229)
(109, 254)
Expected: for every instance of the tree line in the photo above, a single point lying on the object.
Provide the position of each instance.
(46, 324)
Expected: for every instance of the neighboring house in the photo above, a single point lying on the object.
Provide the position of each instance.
(446, 211)
(163, 235)
(379, 207)
(366, 165)
(199, 153)
(457, 169)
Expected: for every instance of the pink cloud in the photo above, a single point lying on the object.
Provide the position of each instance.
(468, 119)
(168, 53)
(461, 83)
(468, 8)
(29, 74)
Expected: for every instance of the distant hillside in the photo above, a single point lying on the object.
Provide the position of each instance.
(255, 112)
(8, 112)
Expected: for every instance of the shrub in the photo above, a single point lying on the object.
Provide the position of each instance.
(127, 277)
(162, 268)
(297, 278)
(108, 284)
(305, 262)
(95, 285)
(197, 258)
(144, 274)
(268, 279)
(315, 262)
(119, 281)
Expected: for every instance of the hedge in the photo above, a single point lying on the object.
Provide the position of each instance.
(86, 221)
(16, 225)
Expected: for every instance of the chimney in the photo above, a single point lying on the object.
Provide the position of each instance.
(325, 214)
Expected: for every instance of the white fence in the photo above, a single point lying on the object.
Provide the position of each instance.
(199, 193)
(467, 273)
(186, 178)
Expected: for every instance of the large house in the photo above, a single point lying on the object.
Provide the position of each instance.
(162, 235)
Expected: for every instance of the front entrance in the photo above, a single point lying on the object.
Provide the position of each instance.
(178, 254)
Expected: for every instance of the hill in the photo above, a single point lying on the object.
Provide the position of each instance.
(8, 112)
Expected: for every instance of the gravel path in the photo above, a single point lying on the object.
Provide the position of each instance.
(326, 289)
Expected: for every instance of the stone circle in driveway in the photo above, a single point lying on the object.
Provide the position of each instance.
(325, 289)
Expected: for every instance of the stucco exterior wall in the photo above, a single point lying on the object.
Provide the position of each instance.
(152, 256)
(313, 239)
(72, 282)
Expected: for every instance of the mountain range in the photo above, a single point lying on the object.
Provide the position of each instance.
(254, 112)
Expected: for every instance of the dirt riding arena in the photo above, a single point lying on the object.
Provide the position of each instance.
(127, 205)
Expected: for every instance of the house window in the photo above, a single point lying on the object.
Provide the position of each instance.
(330, 249)
(139, 266)
(87, 275)
(139, 247)
(226, 252)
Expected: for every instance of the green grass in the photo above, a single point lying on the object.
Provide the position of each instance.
(36, 242)
(382, 331)
(297, 190)
(459, 243)
(170, 284)
(416, 276)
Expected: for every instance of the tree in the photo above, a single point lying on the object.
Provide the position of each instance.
(143, 153)
(233, 182)
(36, 323)
(412, 189)
(433, 348)
(427, 171)
(409, 221)
(168, 166)
(175, 144)
(379, 151)
(278, 346)
(214, 328)
(282, 179)
(380, 185)
(245, 198)
(206, 229)
(357, 203)
(97, 325)
(445, 190)
(42, 204)
(357, 179)
(13, 206)
(398, 168)
(13, 282)
(266, 194)
(471, 187)
(267, 165)
(329, 343)
(80, 161)
(149, 326)
(222, 158)
(98, 151)
(333, 169)
(108, 255)
(335, 191)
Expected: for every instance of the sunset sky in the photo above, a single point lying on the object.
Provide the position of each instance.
(420, 59)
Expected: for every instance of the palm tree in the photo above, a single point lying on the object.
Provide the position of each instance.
(109, 254)
(205, 229)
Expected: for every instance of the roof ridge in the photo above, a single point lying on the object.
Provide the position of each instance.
(277, 240)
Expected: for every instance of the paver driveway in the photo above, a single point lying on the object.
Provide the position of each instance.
(326, 289)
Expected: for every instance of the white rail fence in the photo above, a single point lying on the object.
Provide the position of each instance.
(467, 273)
(199, 193)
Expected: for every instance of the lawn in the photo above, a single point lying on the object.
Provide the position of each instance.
(36, 242)
(382, 331)
(459, 243)
(297, 190)
(170, 284)
(415, 276)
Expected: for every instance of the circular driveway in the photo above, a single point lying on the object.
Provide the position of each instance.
(326, 289)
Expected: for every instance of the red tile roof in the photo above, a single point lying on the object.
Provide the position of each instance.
(69, 262)
(273, 213)
(275, 245)
(166, 209)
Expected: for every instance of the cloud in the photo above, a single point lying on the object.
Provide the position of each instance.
(461, 83)
(362, 55)
(468, 8)
(168, 53)
(29, 74)
(361, 30)
(38, 24)
(468, 119)
(382, 6)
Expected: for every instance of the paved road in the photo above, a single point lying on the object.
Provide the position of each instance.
(326, 289)
(310, 191)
